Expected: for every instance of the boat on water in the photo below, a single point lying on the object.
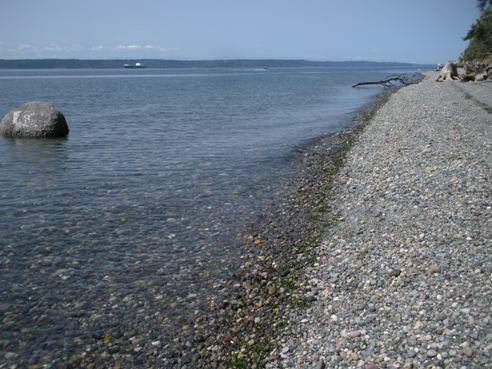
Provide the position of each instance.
(134, 66)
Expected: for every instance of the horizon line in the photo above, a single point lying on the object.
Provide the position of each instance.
(214, 59)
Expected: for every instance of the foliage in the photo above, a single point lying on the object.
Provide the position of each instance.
(480, 35)
(484, 4)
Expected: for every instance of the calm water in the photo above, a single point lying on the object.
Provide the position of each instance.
(126, 227)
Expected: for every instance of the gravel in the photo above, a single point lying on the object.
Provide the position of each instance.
(403, 277)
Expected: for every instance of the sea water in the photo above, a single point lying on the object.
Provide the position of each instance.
(125, 226)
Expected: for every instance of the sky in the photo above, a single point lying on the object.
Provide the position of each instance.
(415, 31)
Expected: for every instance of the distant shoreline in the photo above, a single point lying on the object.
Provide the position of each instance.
(160, 63)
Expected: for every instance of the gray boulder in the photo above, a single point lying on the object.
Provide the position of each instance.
(34, 119)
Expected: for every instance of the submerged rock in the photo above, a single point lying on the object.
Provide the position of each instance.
(34, 119)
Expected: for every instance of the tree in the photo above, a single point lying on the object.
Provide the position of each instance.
(484, 4)
(480, 35)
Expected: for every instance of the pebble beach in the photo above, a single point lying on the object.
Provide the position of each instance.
(402, 279)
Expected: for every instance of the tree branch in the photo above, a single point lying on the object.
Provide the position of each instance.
(384, 82)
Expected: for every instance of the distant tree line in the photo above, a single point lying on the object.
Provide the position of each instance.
(480, 35)
(159, 63)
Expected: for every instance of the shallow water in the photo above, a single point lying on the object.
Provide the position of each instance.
(126, 227)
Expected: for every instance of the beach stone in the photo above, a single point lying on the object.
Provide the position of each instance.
(371, 365)
(34, 119)
(468, 351)
(431, 353)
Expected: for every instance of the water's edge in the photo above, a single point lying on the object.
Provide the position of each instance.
(215, 307)
(242, 330)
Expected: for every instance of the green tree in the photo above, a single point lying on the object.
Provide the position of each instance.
(484, 4)
(480, 35)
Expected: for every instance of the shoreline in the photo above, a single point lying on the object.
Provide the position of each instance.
(402, 279)
(244, 329)
(144, 308)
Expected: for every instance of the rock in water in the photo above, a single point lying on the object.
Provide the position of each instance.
(34, 119)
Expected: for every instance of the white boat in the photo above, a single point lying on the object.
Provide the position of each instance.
(134, 66)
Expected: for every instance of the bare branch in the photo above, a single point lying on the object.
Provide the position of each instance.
(384, 82)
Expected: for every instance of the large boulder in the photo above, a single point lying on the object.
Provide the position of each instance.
(34, 119)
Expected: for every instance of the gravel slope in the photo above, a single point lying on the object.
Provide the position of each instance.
(403, 280)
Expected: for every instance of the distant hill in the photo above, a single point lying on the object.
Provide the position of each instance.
(158, 63)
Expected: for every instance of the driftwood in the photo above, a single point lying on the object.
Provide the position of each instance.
(475, 67)
(448, 73)
(385, 82)
(474, 71)
(474, 77)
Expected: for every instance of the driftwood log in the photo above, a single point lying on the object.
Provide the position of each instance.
(474, 71)
(385, 82)
(448, 73)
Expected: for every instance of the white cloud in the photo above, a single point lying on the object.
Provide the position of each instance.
(129, 47)
(144, 47)
(56, 50)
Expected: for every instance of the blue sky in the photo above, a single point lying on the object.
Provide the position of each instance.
(419, 31)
